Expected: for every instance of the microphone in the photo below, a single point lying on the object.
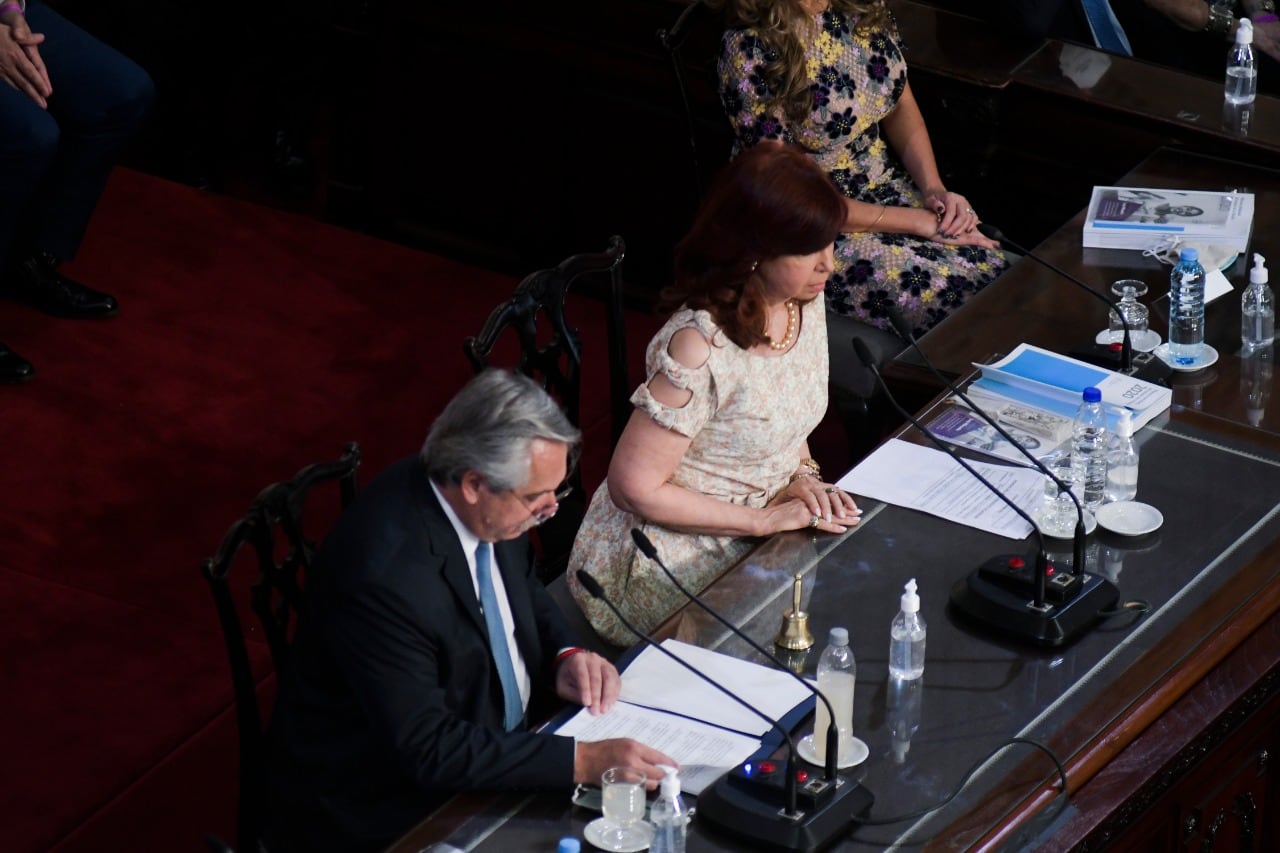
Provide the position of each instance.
(833, 746)
(993, 596)
(1077, 540)
(592, 586)
(1126, 345)
(725, 807)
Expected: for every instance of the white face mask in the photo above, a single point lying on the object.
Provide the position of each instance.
(1213, 256)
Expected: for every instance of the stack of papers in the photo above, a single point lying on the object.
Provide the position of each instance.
(670, 709)
(1133, 218)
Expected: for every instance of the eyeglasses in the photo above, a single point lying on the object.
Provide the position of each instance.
(544, 515)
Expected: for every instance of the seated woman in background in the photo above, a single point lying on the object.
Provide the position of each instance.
(829, 76)
(716, 453)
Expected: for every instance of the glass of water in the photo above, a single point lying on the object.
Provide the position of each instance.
(1057, 514)
(624, 826)
(1133, 311)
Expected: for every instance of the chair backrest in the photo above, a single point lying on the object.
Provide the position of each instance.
(274, 532)
(692, 45)
(557, 364)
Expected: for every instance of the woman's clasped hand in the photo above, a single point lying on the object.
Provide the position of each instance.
(809, 502)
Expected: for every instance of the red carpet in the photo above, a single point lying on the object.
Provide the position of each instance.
(250, 342)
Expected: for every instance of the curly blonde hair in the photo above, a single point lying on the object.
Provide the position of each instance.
(786, 28)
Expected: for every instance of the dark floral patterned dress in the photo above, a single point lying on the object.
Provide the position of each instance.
(857, 79)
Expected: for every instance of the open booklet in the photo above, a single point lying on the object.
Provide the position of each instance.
(667, 707)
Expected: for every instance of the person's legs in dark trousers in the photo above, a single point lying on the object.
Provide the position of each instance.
(54, 164)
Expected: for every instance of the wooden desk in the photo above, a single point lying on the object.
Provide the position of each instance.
(1032, 304)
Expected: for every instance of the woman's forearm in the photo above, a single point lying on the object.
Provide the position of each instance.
(905, 131)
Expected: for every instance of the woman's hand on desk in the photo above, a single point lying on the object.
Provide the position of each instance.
(808, 502)
(1266, 38)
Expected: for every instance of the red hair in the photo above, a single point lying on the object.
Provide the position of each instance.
(771, 201)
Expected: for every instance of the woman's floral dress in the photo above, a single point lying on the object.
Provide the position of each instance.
(857, 79)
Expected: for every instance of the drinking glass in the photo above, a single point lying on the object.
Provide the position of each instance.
(1133, 311)
(1057, 514)
(623, 806)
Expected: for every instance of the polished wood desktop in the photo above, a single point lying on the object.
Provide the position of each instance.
(1164, 724)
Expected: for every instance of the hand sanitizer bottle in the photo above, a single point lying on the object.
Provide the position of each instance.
(907, 637)
(1257, 308)
(668, 814)
(1241, 85)
(1122, 462)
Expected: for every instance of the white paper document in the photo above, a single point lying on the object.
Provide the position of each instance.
(916, 477)
(704, 752)
(654, 680)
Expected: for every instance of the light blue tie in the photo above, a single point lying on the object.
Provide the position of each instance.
(513, 711)
(1107, 32)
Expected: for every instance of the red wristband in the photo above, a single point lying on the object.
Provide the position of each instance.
(1257, 19)
(567, 653)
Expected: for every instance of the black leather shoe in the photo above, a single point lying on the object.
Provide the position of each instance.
(36, 282)
(13, 367)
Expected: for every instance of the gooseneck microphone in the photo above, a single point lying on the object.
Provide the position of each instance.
(1126, 345)
(993, 595)
(833, 747)
(1042, 561)
(841, 801)
(592, 586)
(903, 329)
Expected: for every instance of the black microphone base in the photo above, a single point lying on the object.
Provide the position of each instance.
(757, 816)
(1009, 612)
(1146, 366)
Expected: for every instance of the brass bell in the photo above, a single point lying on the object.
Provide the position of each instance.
(794, 633)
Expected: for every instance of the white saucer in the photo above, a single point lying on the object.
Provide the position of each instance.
(1144, 341)
(857, 754)
(594, 832)
(1130, 518)
(1090, 525)
(1210, 357)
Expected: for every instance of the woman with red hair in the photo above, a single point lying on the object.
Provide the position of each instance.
(716, 452)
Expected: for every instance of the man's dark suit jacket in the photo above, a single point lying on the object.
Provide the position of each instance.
(396, 702)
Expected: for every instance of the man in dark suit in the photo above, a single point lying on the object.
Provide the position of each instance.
(415, 663)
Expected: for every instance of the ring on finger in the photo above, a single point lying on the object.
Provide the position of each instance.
(813, 522)
(968, 210)
(831, 490)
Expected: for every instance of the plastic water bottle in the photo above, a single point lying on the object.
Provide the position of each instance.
(1089, 448)
(668, 814)
(1258, 308)
(837, 674)
(1242, 73)
(907, 637)
(1122, 462)
(569, 844)
(1186, 309)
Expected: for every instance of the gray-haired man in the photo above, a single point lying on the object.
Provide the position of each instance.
(427, 634)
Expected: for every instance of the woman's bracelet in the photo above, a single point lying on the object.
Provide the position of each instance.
(1266, 18)
(20, 8)
(808, 468)
(876, 221)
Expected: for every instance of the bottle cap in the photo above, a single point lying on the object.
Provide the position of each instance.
(910, 601)
(1124, 427)
(1244, 31)
(838, 637)
(569, 845)
(1189, 255)
(1258, 275)
(1092, 395)
(670, 781)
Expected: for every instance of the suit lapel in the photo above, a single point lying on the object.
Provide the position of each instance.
(443, 541)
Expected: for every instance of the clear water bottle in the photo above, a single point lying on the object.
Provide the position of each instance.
(1258, 308)
(837, 674)
(1122, 462)
(907, 637)
(1186, 309)
(1242, 73)
(1089, 448)
(669, 816)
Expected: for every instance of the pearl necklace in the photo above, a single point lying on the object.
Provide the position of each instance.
(793, 317)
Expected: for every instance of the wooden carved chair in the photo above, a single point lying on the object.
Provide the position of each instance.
(554, 358)
(273, 531)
